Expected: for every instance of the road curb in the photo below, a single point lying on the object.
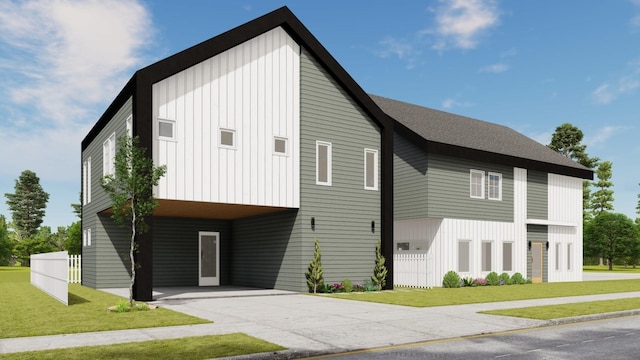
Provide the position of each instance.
(592, 317)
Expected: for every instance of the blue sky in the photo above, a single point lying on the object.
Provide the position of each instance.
(531, 65)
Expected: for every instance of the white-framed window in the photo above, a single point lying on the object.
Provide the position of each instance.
(129, 125)
(464, 256)
(569, 256)
(86, 181)
(507, 256)
(280, 145)
(227, 138)
(486, 260)
(109, 155)
(495, 186)
(370, 169)
(86, 237)
(323, 163)
(476, 184)
(166, 130)
(558, 256)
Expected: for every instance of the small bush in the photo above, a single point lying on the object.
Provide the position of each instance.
(517, 279)
(348, 285)
(325, 289)
(451, 280)
(479, 282)
(358, 288)
(493, 279)
(468, 281)
(369, 286)
(122, 306)
(529, 281)
(505, 279)
(337, 288)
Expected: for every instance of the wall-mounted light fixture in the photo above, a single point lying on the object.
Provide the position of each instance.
(373, 226)
(529, 245)
(313, 223)
(547, 246)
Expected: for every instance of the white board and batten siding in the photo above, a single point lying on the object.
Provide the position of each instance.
(253, 90)
(50, 273)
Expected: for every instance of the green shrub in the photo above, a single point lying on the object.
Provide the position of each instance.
(315, 280)
(528, 281)
(517, 279)
(348, 285)
(505, 279)
(493, 279)
(451, 280)
(379, 276)
(123, 306)
(369, 286)
(468, 281)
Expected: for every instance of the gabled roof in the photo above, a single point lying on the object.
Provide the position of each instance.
(450, 134)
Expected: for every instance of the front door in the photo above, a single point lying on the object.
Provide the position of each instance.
(536, 262)
(209, 258)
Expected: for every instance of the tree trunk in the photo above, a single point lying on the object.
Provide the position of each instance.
(601, 262)
(131, 253)
(610, 261)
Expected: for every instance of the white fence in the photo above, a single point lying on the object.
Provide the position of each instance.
(412, 270)
(50, 272)
(75, 269)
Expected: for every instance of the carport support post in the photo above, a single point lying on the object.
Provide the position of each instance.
(143, 286)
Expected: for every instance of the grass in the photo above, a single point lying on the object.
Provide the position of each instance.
(568, 310)
(28, 311)
(472, 295)
(200, 347)
(616, 268)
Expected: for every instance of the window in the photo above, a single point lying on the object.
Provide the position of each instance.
(476, 188)
(86, 237)
(227, 138)
(569, 255)
(129, 124)
(109, 155)
(495, 186)
(403, 246)
(558, 256)
(280, 146)
(507, 256)
(463, 256)
(166, 129)
(486, 256)
(323, 163)
(86, 181)
(370, 169)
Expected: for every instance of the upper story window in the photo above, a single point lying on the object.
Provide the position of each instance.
(166, 129)
(109, 155)
(495, 186)
(323, 163)
(476, 187)
(86, 237)
(370, 169)
(280, 145)
(86, 181)
(227, 138)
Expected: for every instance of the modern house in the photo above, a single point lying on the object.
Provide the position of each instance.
(270, 144)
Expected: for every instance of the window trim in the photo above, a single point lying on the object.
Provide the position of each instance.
(233, 138)
(174, 127)
(375, 169)
(286, 146)
(482, 185)
(109, 157)
(329, 163)
(499, 175)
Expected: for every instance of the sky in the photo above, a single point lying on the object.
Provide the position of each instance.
(531, 65)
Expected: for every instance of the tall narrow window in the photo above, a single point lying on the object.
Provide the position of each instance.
(109, 155)
(227, 138)
(558, 256)
(166, 129)
(129, 123)
(486, 256)
(495, 186)
(569, 257)
(463, 256)
(507, 256)
(86, 181)
(323, 163)
(370, 169)
(476, 188)
(86, 237)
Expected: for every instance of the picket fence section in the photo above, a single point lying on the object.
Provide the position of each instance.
(75, 269)
(412, 270)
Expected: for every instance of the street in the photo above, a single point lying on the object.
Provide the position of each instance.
(616, 338)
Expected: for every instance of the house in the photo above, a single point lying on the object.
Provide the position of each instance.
(269, 144)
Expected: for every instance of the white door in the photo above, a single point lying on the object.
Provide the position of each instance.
(209, 258)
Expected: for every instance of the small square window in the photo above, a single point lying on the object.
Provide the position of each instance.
(166, 129)
(227, 138)
(280, 146)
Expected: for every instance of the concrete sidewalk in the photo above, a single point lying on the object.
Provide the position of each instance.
(308, 325)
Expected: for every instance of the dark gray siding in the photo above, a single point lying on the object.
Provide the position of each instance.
(112, 244)
(537, 200)
(266, 252)
(175, 250)
(410, 197)
(100, 254)
(344, 211)
(448, 189)
(538, 233)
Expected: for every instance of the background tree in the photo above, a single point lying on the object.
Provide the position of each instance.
(37, 244)
(130, 189)
(56, 239)
(602, 198)
(28, 203)
(73, 240)
(611, 236)
(6, 245)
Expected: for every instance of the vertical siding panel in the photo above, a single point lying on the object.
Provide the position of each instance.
(198, 106)
(206, 139)
(187, 138)
(217, 104)
(270, 87)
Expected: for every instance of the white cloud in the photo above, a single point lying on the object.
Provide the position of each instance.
(603, 94)
(403, 50)
(495, 68)
(601, 135)
(509, 53)
(460, 23)
(608, 92)
(451, 103)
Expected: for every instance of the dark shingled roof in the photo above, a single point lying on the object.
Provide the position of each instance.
(439, 127)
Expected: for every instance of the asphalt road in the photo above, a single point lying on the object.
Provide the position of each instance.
(617, 338)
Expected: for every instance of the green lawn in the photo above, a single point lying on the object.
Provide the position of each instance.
(616, 268)
(567, 310)
(200, 347)
(472, 295)
(28, 311)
